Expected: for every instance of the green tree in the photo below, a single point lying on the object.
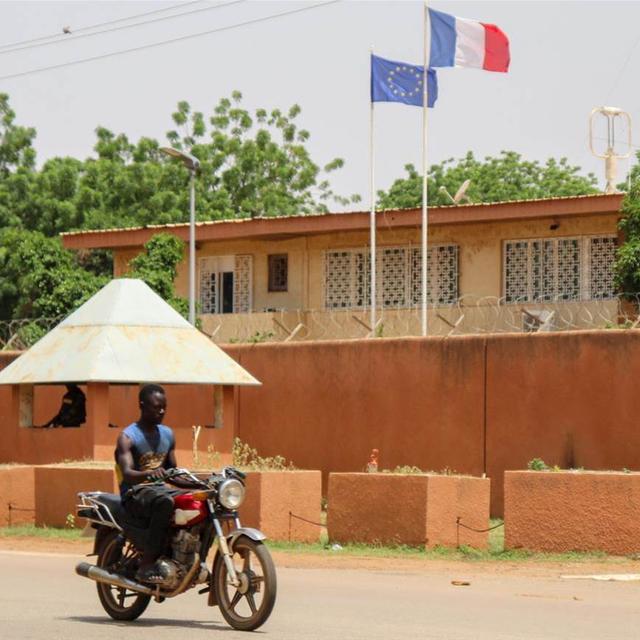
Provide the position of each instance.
(39, 277)
(496, 179)
(628, 256)
(158, 267)
(17, 161)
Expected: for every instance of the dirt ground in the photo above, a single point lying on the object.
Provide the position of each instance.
(398, 564)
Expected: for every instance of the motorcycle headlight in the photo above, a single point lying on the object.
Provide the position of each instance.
(231, 494)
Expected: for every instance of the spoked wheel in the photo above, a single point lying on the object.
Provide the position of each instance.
(119, 603)
(247, 606)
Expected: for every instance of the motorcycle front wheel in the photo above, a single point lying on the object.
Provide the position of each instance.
(118, 557)
(249, 605)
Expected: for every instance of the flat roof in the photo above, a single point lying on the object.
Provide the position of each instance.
(315, 224)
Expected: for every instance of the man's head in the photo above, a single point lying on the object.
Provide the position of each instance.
(153, 403)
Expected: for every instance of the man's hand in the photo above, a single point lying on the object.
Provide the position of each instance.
(157, 474)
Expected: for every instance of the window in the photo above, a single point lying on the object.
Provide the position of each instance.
(398, 277)
(278, 272)
(602, 253)
(225, 284)
(561, 269)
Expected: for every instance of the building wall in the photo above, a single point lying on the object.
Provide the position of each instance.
(480, 255)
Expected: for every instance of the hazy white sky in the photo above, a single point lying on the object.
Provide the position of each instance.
(567, 57)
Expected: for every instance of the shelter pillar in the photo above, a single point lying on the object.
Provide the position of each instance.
(220, 437)
(101, 438)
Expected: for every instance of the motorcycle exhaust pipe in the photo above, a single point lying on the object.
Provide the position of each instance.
(93, 572)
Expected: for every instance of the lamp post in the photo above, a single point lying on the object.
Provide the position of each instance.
(192, 163)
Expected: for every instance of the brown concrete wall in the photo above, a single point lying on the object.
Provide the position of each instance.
(420, 510)
(473, 404)
(568, 398)
(56, 489)
(326, 405)
(17, 489)
(457, 498)
(572, 511)
(271, 495)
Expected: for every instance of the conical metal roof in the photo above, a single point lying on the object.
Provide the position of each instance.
(125, 333)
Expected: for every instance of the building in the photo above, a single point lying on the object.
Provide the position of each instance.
(509, 266)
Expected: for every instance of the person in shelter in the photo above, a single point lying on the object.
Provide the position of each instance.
(72, 412)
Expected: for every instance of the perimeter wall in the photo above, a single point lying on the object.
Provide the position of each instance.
(480, 404)
(477, 404)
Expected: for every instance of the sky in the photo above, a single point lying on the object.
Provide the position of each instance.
(567, 58)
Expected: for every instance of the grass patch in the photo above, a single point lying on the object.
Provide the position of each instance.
(495, 553)
(31, 531)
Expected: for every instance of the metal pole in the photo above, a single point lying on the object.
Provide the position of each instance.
(372, 222)
(192, 250)
(425, 218)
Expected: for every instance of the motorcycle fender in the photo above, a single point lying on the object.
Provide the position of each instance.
(101, 534)
(254, 534)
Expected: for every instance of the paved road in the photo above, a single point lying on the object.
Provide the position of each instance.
(42, 599)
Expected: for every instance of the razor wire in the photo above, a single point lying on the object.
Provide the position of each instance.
(469, 315)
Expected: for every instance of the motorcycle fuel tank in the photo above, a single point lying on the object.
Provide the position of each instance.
(188, 511)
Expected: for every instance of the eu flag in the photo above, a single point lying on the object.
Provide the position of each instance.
(400, 82)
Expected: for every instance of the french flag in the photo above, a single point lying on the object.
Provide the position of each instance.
(456, 42)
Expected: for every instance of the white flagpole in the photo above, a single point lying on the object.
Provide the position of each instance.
(425, 217)
(372, 222)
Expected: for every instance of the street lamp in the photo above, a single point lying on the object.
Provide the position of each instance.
(192, 163)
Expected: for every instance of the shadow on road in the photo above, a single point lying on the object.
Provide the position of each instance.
(151, 622)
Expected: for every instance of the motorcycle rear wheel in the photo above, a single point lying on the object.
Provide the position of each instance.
(119, 603)
(255, 568)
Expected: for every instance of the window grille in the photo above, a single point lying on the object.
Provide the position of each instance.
(208, 285)
(338, 279)
(398, 274)
(562, 269)
(393, 282)
(602, 253)
(278, 272)
(242, 281)
(210, 281)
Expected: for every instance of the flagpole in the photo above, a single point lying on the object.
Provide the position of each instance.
(425, 217)
(372, 221)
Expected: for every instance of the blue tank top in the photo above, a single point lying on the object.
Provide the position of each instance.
(149, 451)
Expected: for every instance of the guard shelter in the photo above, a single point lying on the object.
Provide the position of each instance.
(124, 335)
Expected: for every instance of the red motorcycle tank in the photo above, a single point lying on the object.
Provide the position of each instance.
(188, 511)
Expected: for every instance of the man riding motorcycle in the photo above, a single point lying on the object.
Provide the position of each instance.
(145, 450)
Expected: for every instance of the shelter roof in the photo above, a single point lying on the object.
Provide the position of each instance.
(315, 224)
(125, 333)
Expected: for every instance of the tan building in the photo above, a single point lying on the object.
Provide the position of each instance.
(513, 266)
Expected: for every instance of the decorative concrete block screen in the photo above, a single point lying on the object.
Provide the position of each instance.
(559, 269)
(399, 274)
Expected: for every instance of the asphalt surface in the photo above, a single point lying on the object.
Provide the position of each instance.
(41, 598)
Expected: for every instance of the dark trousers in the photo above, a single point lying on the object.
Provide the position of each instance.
(154, 504)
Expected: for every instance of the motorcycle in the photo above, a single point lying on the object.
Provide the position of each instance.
(242, 578)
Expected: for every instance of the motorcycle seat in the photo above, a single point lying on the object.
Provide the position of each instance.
(113, 502)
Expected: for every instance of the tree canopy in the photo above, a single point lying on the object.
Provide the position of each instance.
(252, 164)
(495, 179)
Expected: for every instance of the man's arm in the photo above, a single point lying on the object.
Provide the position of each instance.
(124, 458)
(171, 463)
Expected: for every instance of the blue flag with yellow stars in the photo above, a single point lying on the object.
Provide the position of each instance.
(400, 82)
